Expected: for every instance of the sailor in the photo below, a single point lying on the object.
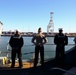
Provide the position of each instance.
(39, 40)
(74, 40)
(74, 52)
(60, 41)
(16, 43)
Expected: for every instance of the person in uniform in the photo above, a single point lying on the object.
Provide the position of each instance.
(60, 41)
(16, 43)
(74, 40)
(74, 52)
(39, 40)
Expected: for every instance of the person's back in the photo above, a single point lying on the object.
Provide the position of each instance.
(39, 40)
(16, 43)
(60, 40)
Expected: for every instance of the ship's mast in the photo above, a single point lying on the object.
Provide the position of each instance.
(50, 27)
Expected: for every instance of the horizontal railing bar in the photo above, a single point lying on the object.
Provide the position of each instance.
(24, 53)
(46, 44)
(54, 44)
(28, 53)
(4, 52)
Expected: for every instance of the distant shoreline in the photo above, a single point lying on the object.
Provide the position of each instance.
(33, 35)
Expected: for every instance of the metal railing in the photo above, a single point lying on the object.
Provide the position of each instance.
(8, 50)
(46, 44)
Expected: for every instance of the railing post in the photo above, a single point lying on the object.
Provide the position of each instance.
(7, 48)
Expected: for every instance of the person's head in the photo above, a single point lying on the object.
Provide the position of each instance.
(39, 30)
(16, 32)
(60, 30)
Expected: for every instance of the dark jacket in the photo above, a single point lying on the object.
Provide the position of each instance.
(16, 41)
(61, 39)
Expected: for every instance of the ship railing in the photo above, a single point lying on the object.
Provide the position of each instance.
(8, 49)
(46, 59)
(47, 44)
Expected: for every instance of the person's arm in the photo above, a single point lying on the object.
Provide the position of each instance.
(45, 40)
(66, 40)
(11, 41)
(74, 40)
(33, 40)
(22, 42)
(55, 39)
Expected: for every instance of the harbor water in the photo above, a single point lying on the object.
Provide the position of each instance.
(28, 47)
